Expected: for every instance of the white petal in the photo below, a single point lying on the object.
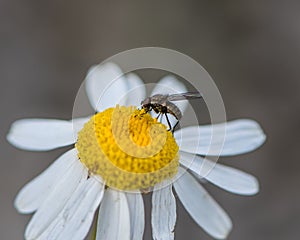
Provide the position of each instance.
(113, 219)
(230, 179)
(168, 85)
(41, 134)
(137, 215)
(163, 213)
(75, 220)
(78, 124)
(56, 200)
(136, 90)
(105, 86)
(34, 193)
(242, 136)
(202, 207)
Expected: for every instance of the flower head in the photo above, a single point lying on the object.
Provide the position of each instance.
(120, 153)
(128, 148)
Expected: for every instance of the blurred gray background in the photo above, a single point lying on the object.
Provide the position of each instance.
(250, 48)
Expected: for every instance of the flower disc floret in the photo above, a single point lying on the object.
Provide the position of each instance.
(128, 148)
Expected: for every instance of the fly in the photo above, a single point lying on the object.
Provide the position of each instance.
(162, 105)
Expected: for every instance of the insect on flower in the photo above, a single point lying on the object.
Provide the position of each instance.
(97, 172)
(162, 105)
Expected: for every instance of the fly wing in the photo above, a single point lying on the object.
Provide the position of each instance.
(184, 96)
(169, 85)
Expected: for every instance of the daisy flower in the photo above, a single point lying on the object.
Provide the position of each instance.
(120, 153)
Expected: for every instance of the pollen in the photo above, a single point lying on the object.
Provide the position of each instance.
(128, 148)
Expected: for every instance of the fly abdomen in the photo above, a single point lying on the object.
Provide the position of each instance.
(174, 110)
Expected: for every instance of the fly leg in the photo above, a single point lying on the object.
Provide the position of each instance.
(173, 129)
(170, 127)
(159, 115)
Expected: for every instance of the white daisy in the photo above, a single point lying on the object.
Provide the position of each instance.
(66, 195)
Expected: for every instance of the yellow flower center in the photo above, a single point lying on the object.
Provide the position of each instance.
(128, 148)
